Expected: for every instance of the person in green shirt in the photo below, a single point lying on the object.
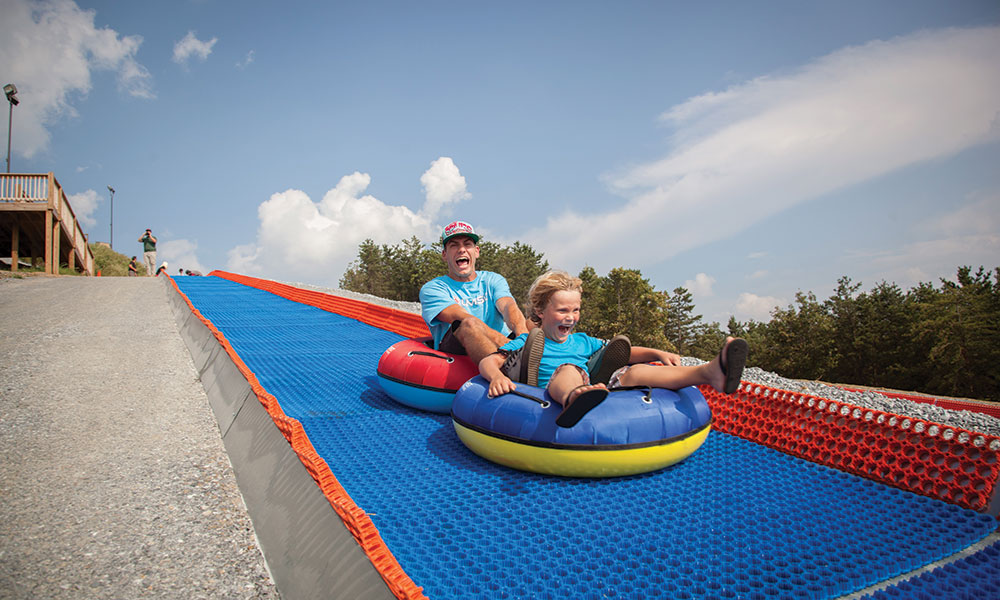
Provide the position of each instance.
(149, 251)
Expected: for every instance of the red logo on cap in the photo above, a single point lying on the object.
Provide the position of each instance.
(457, 226)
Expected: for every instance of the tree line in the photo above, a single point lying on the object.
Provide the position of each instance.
(942, 339)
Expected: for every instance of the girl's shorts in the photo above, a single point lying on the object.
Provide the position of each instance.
(616, 377)
(583, 372)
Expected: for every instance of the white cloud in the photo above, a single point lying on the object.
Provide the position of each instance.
(84, 206)
(246, 62)
(980, 216)
(761, 147)
(315, 241)
(758, 274)
(969, 235)
(751, 306)
(700, 286)
(49, 50)
(180, 254)
(443, 186)
(190, 46)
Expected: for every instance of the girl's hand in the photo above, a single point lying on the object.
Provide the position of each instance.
(670, 359)
(501, 385)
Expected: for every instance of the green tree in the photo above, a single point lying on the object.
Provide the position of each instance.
(392, 272)
(798, 340)
(884, 340)
(398, 272)
(682, 327)
(960, 325)
(624, 302)
(519, 264)
(709, 338)
(847, 356)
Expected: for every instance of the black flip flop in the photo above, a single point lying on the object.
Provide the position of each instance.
(610, 358)
(583, 404)
(736, 360)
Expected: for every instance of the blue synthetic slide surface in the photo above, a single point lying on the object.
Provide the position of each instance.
(975, 577)
(734, 520)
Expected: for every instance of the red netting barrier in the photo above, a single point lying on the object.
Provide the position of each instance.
(927, 458)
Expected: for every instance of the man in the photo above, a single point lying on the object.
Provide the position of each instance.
(468, 311)
(149, 252)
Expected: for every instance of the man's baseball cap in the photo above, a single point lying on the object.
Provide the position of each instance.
(458, 228)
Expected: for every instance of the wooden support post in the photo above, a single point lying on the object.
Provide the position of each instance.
(48, 241)
(56, 254)
(72, 252)
(15, 240)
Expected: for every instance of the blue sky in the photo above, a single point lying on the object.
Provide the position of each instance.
(744, 150)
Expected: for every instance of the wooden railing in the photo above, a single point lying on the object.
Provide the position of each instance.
(33, 203)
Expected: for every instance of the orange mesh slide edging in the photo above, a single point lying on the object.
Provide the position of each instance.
(389, 319)
(353, 516)
(934, 460)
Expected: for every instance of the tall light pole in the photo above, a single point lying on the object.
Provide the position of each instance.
(10, 90)
(112, 190)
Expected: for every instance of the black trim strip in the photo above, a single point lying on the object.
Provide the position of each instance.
(417, 385)
(525, 442)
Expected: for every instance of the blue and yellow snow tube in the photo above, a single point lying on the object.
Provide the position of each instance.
(634, 430)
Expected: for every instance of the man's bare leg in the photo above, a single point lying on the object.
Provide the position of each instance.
(479, 339)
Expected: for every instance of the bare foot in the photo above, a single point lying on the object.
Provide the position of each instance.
(576, 392)
(725, 377)
(716, 367)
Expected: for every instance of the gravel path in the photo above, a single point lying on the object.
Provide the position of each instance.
(114, 482)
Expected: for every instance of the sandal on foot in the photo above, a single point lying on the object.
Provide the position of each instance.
(609, 359)
(522, 365)
(735, 361)
(577, 409)
(534, 348)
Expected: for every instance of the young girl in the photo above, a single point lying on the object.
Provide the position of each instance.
(562, 356)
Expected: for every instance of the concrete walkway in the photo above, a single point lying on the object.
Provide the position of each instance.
(114, 482)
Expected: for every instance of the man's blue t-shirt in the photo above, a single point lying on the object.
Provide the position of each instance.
(478, 297)
(576, 350)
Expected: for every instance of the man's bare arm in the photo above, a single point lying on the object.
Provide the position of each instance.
(512, 315)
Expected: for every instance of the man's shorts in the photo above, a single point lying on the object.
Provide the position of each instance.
(451, 345)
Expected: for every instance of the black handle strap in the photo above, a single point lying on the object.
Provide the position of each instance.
(542, 401)
(431, 354)
(647, 397)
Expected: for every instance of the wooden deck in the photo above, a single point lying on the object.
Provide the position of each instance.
(37, 224)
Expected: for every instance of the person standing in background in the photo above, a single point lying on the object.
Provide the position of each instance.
(149, 251)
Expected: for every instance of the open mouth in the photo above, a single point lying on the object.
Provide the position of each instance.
(461, 262)
(565, 329)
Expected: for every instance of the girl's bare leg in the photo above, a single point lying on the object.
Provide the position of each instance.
(674, 378)
(567, 380)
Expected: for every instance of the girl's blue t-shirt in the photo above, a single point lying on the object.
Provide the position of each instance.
(478, 297)
(576, 350)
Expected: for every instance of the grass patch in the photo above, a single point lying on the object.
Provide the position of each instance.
(111, 263)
